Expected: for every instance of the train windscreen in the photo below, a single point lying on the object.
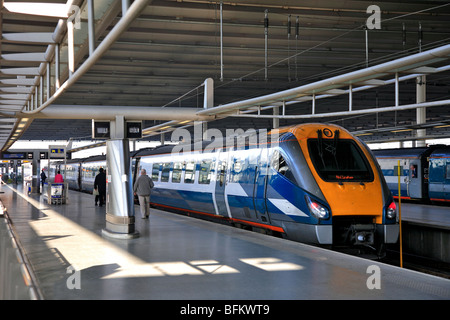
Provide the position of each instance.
(339, 160)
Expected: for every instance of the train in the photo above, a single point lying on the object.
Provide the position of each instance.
(424, 172)
(312, 183)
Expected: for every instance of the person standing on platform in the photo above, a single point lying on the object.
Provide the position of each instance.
(58, 178)
(100, 186)
(142, 188)
(43, 178)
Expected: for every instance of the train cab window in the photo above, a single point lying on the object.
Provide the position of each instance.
(205, 172)
(339, 160)
(165, 172)
(176, 173)
(189, 173)
(155, 171)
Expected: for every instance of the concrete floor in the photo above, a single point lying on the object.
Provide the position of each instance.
(178, 257)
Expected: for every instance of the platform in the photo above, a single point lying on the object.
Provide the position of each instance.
(426, 231)
(435, 216)
(178, 257)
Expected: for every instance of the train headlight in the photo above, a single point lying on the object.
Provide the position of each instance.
(316, 209)
(391, 211)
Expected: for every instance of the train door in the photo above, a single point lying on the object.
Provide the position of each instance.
(221, 181)
(260, 187)
(414, 180)
(447, 181)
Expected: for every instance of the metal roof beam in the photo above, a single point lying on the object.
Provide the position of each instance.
(26, 90)
(110, 112)
(399, 65)
(19, 81)
(30, 37)
(25, 57)
(31, 71)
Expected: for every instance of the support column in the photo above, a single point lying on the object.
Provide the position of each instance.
(36, 173)
(421, 113)
(119, 191)
(276, 121)
(91, 26)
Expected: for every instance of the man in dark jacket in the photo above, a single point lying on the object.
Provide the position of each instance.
(43, 178)
(100, 186)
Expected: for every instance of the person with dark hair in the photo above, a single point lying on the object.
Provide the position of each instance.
(100, 187)
(58, 178)
(43, 178)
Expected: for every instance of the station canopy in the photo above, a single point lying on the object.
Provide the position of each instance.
(158, 54)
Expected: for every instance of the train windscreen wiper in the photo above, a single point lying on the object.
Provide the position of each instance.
(320, 146)
(334, 149)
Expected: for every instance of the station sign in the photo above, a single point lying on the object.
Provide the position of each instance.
(14, 155)
(56, 152)
(101, 129)
(134, 129)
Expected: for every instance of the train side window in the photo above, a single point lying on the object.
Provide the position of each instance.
(413, 169)
(176, 173)
(447, 172)
(189, 173)
(165, 172)
(205, 172)
(155, 171)
(221, 170)
(236, 170)
(396, 171)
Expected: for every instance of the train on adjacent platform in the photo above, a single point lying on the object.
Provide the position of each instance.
(312, 183)
(424, 172)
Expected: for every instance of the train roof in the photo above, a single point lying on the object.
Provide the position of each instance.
(417, 152)
(88, 159)
(205, 145)
(442, 152)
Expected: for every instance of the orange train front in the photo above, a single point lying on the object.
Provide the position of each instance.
(346, 197)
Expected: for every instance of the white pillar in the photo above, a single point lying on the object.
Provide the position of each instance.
(119, 196)
(421, 113)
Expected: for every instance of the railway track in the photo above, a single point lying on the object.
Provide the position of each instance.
(416, 263)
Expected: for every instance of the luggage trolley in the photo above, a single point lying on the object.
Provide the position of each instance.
(56, 192)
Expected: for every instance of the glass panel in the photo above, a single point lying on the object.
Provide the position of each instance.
(205, 172)
(166, 171)
(155, 171)
(189, 173)
(339, 160)
(176, 173)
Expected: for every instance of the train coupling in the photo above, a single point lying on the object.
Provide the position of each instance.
(362, 234)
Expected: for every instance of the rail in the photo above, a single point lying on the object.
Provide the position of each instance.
(17, 279)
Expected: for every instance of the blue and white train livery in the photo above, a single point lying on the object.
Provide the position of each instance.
(317, 184)
(424, 172)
